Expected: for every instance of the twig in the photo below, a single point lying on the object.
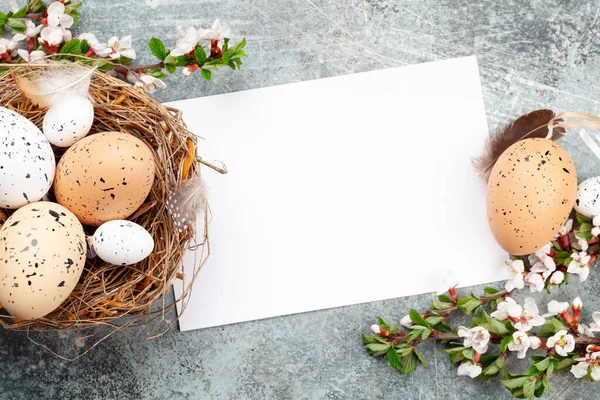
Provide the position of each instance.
(484, 299)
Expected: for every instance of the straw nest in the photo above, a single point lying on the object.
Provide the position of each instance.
(124, 296)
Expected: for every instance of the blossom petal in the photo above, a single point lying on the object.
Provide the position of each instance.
(580, 370)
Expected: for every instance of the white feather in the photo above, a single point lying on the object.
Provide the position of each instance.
(46, 84)
(185, 202)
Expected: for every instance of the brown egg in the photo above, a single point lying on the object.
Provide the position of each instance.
(105, 176)
(530, 194)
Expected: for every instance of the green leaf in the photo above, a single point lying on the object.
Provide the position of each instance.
(125, 60)
(557, 247)
(413, 334)
(368, 339)
(393, 358)
(490, 290)
(505, 342)
(408, 363)
(469, 354)
(72, 9)
(21, 13)
(551, 327)
(225, 44)
(103, 65)
(420, 358)
(377, 348)
(585, 227)
(514, 382)
(85, 47)
(416, 318)
(543, 365)
(36, 5)
(439, 305)
(444, 298)
(170, 68)
(434, 320)
(468, 304)
(581, 219)
(561, 256)
(179, 61)
(547, 384)
(3, 19)
(17, 25)
(564, 364)
(73, 46)
(529, 387)
(158, 49)
(206, 74)
(200, 55)
(493, 325)
(392, 328)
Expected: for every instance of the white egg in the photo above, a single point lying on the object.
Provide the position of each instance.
(68, 120)
(588, 197)
(122, 242)
(26, 161)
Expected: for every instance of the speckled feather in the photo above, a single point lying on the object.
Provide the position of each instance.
(185, 202)
(527, 126)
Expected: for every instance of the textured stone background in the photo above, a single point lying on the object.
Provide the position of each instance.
(531, 54)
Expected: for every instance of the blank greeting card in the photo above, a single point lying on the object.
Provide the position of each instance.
(341, 191)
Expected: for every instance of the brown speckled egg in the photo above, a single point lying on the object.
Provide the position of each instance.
(530, 193)
(42, 255)
(105, 176)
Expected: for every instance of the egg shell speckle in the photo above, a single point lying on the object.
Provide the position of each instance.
(530, 194)
(42, 255)
(104, 176)
(588, 197)
(26, 161)
(122, 242)
(68, 120)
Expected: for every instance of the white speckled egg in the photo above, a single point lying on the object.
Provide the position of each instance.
(42, 255)
(588, 197)
(26, 161)
(122, 242)
(68, 120)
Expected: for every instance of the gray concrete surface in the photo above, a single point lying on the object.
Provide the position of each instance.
(532, 54)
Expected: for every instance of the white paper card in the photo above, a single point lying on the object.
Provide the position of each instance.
(341, 191)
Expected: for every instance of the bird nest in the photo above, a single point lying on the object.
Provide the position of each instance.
(111, 295)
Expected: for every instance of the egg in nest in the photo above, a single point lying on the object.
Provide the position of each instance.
(104, 177)
(530, 194)
(42, 255)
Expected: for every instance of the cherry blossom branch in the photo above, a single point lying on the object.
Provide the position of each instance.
(435, 335)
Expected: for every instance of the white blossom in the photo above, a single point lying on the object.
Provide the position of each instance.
(376, 329)
(522, 342)
(32, 30)
(583, 243)
(501, 312)
(121, 47)
(577, 304)
(545, 266)
(562, 342)
(585, 330)
(596, 229)
(58, 24)
(9, 46)
(478, 338)
(566, 228)
(468, 368)
(31, 57)
(595, 326)
(216, 32)
(150, 83)
(589, 363)
(557, 278)
(535, 282)
(100, 49)
(406, 321)
(527, 316)
(555, 308)
(448, 281)
(515, 268)
(580, 265)
(186, 41)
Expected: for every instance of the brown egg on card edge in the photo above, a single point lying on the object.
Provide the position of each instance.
(103, 177)
(530, 194)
